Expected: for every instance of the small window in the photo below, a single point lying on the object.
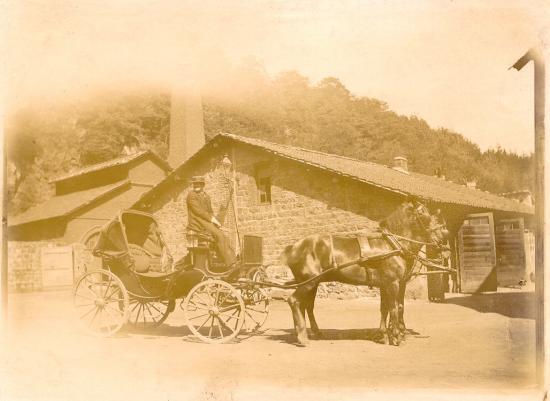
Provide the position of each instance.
(263, 181)
(478, 221)
(264, 188)
(509, 226)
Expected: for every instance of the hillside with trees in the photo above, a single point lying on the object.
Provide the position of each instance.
(288, 109)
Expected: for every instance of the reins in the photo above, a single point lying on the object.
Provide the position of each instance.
(423, 261)
(389, 233)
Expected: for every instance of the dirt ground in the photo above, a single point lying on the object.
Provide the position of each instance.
(480, 344)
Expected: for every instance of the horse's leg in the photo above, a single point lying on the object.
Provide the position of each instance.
(299, 319)
(392, 293)
(298, 303)
(383, 316)
(309, 308)
(401, 308)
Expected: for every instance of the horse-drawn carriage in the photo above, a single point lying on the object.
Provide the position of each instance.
(139, 284)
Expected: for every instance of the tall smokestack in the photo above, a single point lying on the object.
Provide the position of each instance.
(186, 123)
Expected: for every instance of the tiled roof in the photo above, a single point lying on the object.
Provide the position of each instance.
(119, 161)
(63, 205)
(423, 186)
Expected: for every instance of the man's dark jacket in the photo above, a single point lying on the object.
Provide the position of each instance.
(199, 211)
(199, 215)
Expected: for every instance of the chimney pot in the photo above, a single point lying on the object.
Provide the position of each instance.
(400, 163)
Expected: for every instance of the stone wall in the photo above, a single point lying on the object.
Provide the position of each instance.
(25, 265)
(24, 271)
(304, 200)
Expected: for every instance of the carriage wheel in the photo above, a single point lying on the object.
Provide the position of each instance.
(214, 311)
(256, 301)
(100, 302)
(147, 313)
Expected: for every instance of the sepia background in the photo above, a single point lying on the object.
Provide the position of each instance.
(94, 83)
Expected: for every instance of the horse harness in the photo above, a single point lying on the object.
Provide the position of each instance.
(398, 250)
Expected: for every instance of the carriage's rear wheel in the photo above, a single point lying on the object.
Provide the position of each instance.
(214, 311)
(149, 313)
(100, 302)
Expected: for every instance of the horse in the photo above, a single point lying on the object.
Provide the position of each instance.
(321, 258)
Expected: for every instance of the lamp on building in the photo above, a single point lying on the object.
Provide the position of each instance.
(226, 164)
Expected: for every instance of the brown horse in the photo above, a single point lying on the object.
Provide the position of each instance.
(405, 231)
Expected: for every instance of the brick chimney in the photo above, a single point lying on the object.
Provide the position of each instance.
(186, 123)
(400, 163)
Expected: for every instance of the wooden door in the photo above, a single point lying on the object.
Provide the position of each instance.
(57, 266)
(510, 250)
(476, 242)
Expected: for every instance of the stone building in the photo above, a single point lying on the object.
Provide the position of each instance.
(283, 193)
(39, 251)
(45, 242)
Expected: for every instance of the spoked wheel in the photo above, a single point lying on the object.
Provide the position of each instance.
(101, 302)
(215, 311)
(256, 302)
(149, 313)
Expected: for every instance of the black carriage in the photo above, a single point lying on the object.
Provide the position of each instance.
(139, 285)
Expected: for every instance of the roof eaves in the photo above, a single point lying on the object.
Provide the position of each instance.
(75, 209)
(504, 206)
(256, 143)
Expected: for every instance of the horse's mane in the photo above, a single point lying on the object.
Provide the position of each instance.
(394, 221)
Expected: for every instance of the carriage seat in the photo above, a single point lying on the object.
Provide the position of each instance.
(148, 260)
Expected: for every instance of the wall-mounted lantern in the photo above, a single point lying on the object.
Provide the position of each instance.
(226, 164)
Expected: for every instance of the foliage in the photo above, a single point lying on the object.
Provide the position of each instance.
(287, 109)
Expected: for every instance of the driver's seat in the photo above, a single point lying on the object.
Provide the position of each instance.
(199, 239)
(202, 250)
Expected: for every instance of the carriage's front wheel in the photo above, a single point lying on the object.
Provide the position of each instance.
(214, 311)
(100, 302)
(256, 301)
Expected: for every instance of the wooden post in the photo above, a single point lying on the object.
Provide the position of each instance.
(539, 212)
(4, 271)
(539, 99)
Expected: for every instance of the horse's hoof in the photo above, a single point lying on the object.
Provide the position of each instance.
(381, 337)
(394, 340)
(303, 340)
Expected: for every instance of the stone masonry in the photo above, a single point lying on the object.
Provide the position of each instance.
(304, 201)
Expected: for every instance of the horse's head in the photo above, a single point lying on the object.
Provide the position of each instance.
(431, 227)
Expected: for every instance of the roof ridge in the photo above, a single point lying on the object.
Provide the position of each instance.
(306, 149)
(107, 163)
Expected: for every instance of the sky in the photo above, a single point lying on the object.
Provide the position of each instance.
(444, 61)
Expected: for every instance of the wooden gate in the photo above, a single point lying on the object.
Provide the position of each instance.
(57, 266)
(477, 254)
(510, 249)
